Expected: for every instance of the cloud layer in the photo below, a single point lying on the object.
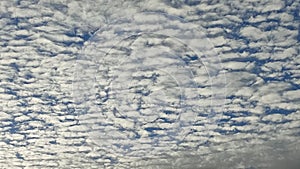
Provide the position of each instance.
(71, 71)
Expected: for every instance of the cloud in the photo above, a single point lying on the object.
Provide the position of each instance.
(46, 123)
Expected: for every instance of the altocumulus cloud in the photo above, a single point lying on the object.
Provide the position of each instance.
(44, 126)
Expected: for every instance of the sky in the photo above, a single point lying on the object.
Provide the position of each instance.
(149, 84)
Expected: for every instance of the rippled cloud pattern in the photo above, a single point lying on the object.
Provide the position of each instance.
(149, 84)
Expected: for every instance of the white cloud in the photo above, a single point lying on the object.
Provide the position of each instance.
(252, 33)
(5, 116)
(60, 138)
(272, 6)
(292, 95)
(270, 98)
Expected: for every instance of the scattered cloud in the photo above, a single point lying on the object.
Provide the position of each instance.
(80, 81)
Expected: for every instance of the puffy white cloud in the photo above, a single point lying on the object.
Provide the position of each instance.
(252, 33)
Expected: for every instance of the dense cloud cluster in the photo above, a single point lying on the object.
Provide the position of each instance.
(80, 82)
